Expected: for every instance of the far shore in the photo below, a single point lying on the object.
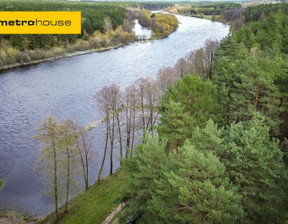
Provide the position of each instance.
(65, 55)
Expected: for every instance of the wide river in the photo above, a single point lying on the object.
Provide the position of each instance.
(65, 88)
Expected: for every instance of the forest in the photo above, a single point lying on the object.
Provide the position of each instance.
(214, 8)
(207, 10)
(220, 152)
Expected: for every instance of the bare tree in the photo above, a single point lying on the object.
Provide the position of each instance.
(130, 116)
(105, 151)
(102, 99)
(211, 46)
(182, 67)
(109, 101)
(149, 96)
(47, 134)
(199, 62)
(166, 77)
(141, 92)
(153, 97)
(59, 160)
(84, 145)
(69, 158)
(116, 107)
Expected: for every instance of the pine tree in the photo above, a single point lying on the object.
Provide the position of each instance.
(194, 188)
(176, 125)
(142, 169)
(250, 87)
(189, 186)
(255, 164)
(196, 96)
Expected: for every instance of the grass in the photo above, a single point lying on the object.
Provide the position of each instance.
(93, 205)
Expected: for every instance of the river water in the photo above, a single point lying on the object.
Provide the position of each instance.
(65, 88)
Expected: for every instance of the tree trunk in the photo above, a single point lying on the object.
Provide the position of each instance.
(82, 162)
(143, 112)
(112, 135)
(55, 181)
(87, 171)
(120, 136)
(256, 98)
(151, 111)
(128, 128)
(67, 180)
(105, 152)
(133, 127)
(86, 151)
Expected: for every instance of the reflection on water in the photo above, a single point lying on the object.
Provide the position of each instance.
(65, 88)
(141, 31)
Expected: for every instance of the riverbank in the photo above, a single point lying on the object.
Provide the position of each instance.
(219, 12)
(218, 18)
(93, 205)
(76, 53)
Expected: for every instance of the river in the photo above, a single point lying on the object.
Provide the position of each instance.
(65, 88)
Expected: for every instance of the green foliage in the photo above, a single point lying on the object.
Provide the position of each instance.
(221, 5)
(232, 174)
(209, 138)
(1, 184)
(269, 34)
(256, 13)
(254, 164)
(250, 67)
(142, 171)
(184, 187)
(176, 125)
(214, 8)
(197, 97)
(251, 87)
(195, 105)
(195, 190)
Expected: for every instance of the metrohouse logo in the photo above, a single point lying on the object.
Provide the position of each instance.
(40, 22)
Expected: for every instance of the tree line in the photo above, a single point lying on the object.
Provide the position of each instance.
(205, 10)
(214, 8)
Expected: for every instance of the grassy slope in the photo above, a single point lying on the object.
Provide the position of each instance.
(95, 204)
